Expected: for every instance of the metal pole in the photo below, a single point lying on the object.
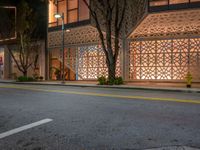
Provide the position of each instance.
(63, 51)
(68, 63)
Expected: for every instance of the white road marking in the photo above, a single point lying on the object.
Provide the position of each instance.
(26, 127)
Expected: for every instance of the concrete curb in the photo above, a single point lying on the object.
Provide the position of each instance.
(175, 148)
(185, 90)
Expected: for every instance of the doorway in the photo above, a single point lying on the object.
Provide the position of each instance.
(56, 64)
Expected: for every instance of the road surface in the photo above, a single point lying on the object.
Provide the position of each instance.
(34, 117)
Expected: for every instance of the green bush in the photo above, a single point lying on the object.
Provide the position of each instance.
(30, 79)
(105, 81)
(22, 79)
(119, 81)
(25, 79)
(111, 81)
(116, 81)
(102, 80)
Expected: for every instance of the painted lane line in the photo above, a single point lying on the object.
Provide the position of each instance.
(107, 95)
(26, 127)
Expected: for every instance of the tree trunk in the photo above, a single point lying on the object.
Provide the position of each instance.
(112, 21)
(25, 73)
(111, 70)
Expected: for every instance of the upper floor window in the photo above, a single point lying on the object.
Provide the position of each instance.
(74, 11)
(158, 2)
(178, 1)
(169, 4)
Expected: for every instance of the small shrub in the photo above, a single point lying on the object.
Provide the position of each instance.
(22, 79)
(25, 79)
(102, 80)
(105, 81)
(116, 81)
(30, 79)
(119, 81)
(111, 81)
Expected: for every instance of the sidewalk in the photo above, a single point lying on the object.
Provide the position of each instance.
(175, 148)
(171, 87)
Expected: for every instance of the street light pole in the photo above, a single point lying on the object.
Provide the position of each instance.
(63, 42)
(63, 50)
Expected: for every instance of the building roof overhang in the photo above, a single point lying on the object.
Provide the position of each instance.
(180, 23)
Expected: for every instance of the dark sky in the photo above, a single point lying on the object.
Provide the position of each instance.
(37, 6)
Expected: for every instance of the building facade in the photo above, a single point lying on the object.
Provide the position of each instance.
(8, 39)
(160, 42)
(166, 43)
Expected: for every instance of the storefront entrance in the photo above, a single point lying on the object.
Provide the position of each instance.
(81, 63)
(56, 64)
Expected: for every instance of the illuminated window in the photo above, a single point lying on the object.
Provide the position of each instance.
(178, 1)
(52, 11)
(83, 11)
(62, 9)
(72, 4)
(74, 11)
(194, 0)
(169, 2)
(72, 16)
(158, 2)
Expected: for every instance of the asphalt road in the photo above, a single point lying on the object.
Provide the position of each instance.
(92, 118)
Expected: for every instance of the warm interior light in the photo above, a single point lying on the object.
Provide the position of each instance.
(68, 30)
(57, 16)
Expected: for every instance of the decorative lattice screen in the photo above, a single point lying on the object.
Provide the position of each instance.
(165, 59)
(92, 63)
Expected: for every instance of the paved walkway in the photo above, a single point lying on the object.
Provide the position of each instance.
(168, 86)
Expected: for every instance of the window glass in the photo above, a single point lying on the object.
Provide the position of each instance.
(74, 10)
(158, 2)
(72, 4)
(178, 1)
(194, 0)
(62, 5)
(52, 11)
(165, 2)
(83, 11)
(72, 16)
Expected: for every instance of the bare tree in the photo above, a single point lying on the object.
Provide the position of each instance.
(26, 49)
(108, 16)
(25, 54)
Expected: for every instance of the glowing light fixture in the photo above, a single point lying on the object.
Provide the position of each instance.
(57, 16)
